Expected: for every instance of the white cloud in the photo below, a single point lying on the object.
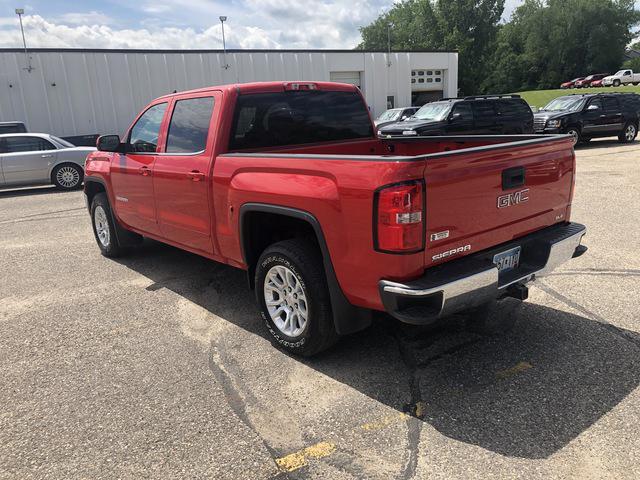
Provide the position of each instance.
(88, 18)
(194, 24)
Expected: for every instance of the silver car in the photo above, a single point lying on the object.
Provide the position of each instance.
(39, 159)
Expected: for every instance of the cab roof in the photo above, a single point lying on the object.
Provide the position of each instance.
(270, 87)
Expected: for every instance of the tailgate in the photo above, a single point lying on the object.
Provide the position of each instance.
(479, 198)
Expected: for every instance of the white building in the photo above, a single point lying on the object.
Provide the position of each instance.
(72, 92)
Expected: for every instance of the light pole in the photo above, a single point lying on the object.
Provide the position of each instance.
(224, 43)
(27, 58)
(389, 44)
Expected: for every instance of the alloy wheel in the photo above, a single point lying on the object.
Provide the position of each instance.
(102, 226)
(630, 133)
(68, 177)
(286, 300)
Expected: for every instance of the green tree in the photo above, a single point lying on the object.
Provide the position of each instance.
(469, 26)
(546, 43)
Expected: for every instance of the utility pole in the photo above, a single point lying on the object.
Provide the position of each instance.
(27, 58)
(224, 43)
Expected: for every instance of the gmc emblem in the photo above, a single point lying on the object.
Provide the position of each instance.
(514, 198)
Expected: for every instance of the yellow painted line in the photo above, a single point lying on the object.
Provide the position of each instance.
(384, 422)
(298, 459)
(519, 367)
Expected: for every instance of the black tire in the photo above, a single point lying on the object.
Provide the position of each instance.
(616, 83)
(629, 133)
(67, 176)
(495, 317)
(304, 260)
(110, 246)
(575, 133)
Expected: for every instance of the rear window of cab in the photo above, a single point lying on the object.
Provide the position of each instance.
(298, 117)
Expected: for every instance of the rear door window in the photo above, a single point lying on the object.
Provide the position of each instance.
(298, 117)
(26, 144)
(483, 111)
(144, 134)
(611, 104)
(189, 125)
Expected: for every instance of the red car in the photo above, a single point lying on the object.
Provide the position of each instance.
(289, 182)
(596, 84)
(588, 81)
(571, 83)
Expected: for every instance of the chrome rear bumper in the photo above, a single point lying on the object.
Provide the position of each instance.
(473, 280)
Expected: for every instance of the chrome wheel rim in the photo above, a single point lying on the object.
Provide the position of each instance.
(630, 133)
(68, 177)
(102, 226)
(286, 300)
(574, 135)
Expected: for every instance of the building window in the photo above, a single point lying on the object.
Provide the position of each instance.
(421, 80)
(413, 80)
(421, 72)
(391, 101)
(429, 72)
(413, 73)
(438, 72)
(438, 79)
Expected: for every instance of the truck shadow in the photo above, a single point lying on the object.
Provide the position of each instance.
(524, 393)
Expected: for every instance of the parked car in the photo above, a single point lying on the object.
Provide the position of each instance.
(596, 83)
(394, 115)
(12, 127)
(621, 77)
(288, 181)
(571, 83)
(40, 159)
(587, 81)
(591, 115)
(480, 115)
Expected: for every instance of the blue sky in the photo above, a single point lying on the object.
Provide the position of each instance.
(191, 23)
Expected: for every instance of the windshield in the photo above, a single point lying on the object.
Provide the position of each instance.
(619, 73)
(62, 142)
(433, 111)
(389, 115)
(571, 104)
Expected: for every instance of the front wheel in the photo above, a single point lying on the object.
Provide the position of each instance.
(629, 133)
(616, 83)
(103, 228)
(292, 293)
(575, 134)
(68, 176)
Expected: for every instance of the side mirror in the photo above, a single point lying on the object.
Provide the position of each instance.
(108, 143)
(593, 107)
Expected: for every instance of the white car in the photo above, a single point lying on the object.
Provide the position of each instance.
(41, 159)
(621, 77)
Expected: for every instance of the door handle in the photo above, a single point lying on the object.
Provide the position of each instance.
(195, 175)
(144, 171)
(46, 155)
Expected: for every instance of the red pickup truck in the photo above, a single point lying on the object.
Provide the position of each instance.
(289, 181)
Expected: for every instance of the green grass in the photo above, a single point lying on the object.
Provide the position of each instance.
(539, 98)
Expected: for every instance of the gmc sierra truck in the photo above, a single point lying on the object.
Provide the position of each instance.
(290, 182)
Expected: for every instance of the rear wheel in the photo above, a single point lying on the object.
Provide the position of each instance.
(629, 133)
(292, 293)
(103, 227)
(68, 176)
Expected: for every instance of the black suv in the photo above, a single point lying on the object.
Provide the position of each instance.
(591, 115)
(479, 115)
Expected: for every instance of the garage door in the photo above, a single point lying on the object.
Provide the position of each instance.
(352, 78)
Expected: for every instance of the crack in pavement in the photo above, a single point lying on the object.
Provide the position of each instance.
(621, 272)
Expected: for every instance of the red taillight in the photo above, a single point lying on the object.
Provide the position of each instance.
(300, 86)
(399, 218)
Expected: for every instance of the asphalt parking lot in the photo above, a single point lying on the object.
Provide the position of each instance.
(156, 365)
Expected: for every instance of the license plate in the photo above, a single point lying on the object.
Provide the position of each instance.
(508, 260)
